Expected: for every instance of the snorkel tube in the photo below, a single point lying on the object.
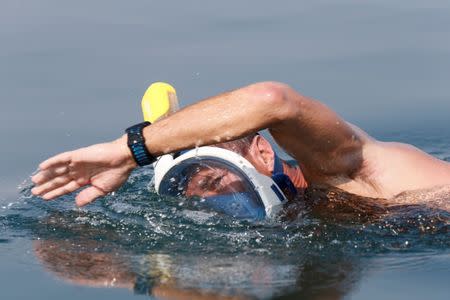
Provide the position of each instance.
(159, 101)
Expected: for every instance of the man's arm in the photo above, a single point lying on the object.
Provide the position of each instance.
(314, 135)
(308, 130)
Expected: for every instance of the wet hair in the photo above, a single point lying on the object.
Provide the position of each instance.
(239, 146)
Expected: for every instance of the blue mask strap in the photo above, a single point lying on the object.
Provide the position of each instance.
(282, 180)
(277, 164)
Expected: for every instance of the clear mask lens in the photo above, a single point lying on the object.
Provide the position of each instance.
(223, 187)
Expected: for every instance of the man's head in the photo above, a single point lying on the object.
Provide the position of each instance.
(207, 180)
(245, 178)
(259, 152)
(256, 149)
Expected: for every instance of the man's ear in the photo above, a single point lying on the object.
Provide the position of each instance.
(262, 154)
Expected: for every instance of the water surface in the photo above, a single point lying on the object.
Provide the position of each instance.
(72, 74)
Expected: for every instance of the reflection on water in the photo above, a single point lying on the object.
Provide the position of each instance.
(170, 249)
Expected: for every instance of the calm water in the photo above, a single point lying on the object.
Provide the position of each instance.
(72, 74)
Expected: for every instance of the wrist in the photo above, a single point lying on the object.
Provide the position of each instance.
(137, 145)
(127, 156)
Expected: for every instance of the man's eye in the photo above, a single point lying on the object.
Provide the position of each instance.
(216, 183)
(210, 184)
(203, 184)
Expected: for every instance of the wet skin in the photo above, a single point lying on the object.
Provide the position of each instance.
(329, 150)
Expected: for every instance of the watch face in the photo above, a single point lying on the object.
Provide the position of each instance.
(134, 138)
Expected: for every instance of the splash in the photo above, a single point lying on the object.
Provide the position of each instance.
(175, 242)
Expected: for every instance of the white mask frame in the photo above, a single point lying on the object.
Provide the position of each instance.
(268, 191)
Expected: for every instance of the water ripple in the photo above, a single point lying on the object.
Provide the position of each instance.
(204, 249)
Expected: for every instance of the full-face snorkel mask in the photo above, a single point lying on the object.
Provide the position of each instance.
(225, 182)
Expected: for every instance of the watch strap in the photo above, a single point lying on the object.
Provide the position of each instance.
(136, 143)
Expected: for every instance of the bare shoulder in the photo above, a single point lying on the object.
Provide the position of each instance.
(398, 167)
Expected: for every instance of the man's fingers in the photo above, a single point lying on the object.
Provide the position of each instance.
(51, 185)
(63, 158)
(49, 174)
(68, 188)
(88, 195)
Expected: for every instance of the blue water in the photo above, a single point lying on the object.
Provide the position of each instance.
(72, 74)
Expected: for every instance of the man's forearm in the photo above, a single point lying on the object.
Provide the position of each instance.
(222, 118)
(308, 130)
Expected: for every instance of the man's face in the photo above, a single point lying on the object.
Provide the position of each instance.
(213, 180)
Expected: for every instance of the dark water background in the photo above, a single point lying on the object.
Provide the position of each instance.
(72, 74)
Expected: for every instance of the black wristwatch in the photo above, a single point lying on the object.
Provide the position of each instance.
(136, 143)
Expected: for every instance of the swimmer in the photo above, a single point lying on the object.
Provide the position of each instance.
(330, 152)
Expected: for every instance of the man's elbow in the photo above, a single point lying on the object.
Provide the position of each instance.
(277, 99)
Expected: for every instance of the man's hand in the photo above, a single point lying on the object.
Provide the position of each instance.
(104, 167)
